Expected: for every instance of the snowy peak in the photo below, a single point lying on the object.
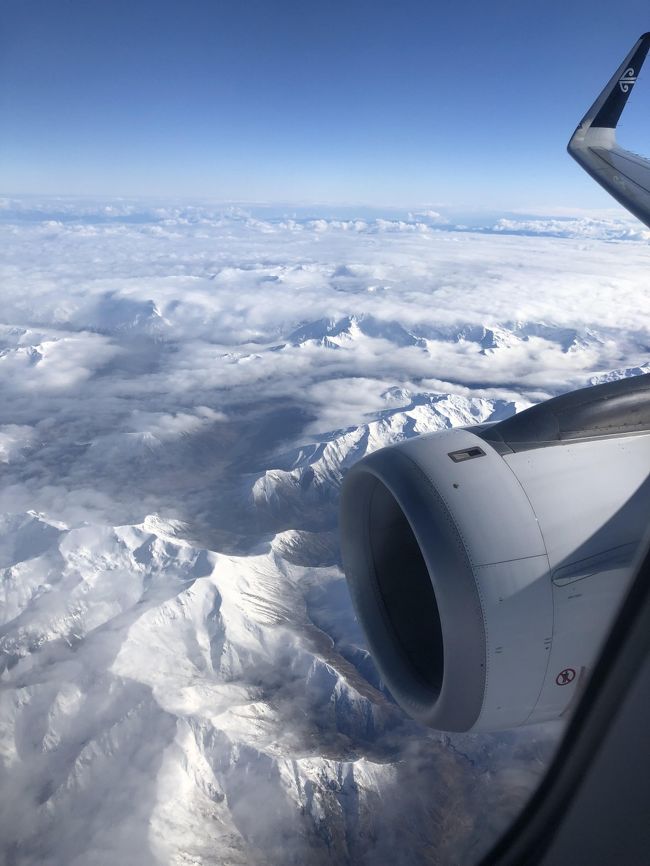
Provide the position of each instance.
(335, 333)
(313, 475)
(115, 312)
(348, 330)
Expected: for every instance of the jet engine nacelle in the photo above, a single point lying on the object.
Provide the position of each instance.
(485, 564)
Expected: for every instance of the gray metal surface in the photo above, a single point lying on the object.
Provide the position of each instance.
(591, 499)
(611, 409)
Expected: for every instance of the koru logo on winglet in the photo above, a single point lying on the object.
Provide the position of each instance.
(627, 79)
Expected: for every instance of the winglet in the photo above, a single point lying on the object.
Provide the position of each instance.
(607, 109)
(593, 145)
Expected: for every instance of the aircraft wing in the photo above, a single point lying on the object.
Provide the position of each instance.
(625, 175)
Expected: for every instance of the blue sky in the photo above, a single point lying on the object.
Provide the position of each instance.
(389, 103)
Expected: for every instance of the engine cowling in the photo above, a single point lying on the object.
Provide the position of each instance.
(485, 564)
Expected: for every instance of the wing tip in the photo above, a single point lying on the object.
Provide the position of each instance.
(608, 107)
(594, 140)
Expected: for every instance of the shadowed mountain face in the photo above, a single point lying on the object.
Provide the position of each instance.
(182, 677)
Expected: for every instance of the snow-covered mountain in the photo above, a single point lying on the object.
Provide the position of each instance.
(306, 476)
(225, 704)
(182, 679)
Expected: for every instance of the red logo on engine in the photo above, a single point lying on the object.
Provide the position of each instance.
(565, 677)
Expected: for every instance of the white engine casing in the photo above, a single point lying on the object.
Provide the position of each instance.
(486, 581)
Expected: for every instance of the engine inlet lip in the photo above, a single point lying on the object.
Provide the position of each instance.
(452, 698)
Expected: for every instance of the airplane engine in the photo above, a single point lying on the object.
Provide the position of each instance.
(486, 563)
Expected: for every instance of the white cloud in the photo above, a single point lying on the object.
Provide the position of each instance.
(173, 426)
(584, 227)
(60, 363)
(15, 440)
